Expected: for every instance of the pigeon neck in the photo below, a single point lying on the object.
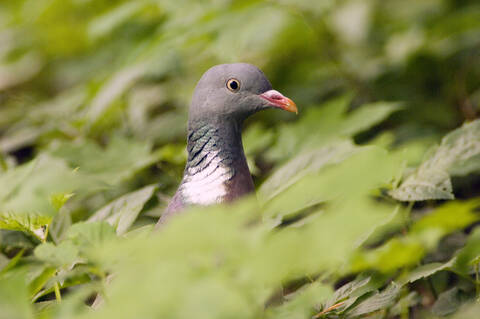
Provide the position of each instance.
(216, 162)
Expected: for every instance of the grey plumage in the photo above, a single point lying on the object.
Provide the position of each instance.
(216, 169)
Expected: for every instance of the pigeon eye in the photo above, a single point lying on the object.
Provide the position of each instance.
(233, 85)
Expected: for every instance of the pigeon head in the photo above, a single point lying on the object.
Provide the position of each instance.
(216, 170)
(234, 91)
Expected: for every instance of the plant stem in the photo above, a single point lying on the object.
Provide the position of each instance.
(477, 281)
(58, 296)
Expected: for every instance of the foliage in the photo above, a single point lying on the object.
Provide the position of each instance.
(367, 202)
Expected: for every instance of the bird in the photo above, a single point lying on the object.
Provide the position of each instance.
(216, 170)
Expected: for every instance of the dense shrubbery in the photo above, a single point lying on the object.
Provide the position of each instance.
(368, 200)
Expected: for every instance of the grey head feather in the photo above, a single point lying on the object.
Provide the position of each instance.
(213, 101)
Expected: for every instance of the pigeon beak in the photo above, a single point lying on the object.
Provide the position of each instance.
(276, 99)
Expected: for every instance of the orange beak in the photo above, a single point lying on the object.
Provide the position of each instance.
(276, 99)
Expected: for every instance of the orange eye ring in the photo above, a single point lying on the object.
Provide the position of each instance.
(233, 85)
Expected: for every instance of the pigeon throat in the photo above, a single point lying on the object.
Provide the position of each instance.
(216, 169)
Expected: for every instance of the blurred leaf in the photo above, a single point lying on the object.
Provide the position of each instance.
(86, 235)
(395, 253)
(104, 24)
(29, 187)
(448, 218)
(303, 165)
(64, 254)
(257, 138)
(427, 270)
(301, 303)
(59, 199)
(14, 301)
(469, 254)
(34, 225)
(457, 154)
(367, 116)
(9, 264)
(326, 123)
(39, 277)
(121, 158)
(122, 212)
(447, 302)
(342, 177)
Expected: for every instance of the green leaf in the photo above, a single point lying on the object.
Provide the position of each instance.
(40, 276)
(448, 302)
(448, 218)
(14, 302)
(458, 154)
(34, 225)
(327, 174)
(29, 188)
(469, 254)
(302, 302)
(326, 123)
(379, 300)
(346, 291)
(346, 295)
(59, 199)
(367, 116)
(424, 185)
(104, 24)
(9, 264)
(65, 254)
(395, 253)
(86, 235)
(427, 270)
(302, 165)
(123, 211)
(257, 138)
(120, 160)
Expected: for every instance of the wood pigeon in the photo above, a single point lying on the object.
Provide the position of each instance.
(216, 169)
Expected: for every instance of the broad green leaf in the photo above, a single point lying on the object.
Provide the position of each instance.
(14, 302)
(394, 254)
(346, 296)
(328, 122)
(303, 165)
(34, 225)
(458, 154)
(12, 241)
(379, 300)
(448, 218)
(29, 188)
(120, 160)
(302, 303)
(367, 116)
(448, 302)
(423, 185)
(122, 212)
(87, 235)
(326, 175)
(469, 254)
(64, 254)
(59, 199)
(427, 270)
(347, 291)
